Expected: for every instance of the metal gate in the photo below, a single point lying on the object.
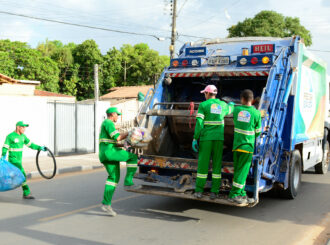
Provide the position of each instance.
(72, 128)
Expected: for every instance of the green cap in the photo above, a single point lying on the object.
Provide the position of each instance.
(21, 124)
(112, 110)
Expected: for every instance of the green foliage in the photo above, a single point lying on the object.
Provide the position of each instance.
(87, 55)
(270, 24)
(29, 64)
(69, 68)
(7, 65)
(140, 65)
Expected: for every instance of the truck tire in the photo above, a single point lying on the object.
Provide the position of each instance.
(322, 167)
(294, 176)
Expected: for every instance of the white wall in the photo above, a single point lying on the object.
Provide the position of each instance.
(129, 109)
(17, 89)
(31, 110)
(34, 111)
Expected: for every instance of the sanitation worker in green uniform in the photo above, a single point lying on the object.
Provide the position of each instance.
(111, 156)
(209, 130)
(14, 144)
(247, 123)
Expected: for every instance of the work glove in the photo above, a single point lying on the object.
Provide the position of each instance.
(3, 158)
(43, 148)
(195, 145)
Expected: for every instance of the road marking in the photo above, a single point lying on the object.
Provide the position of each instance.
(85, 209)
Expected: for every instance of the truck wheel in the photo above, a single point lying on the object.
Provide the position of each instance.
(294, 176)
(322, 167)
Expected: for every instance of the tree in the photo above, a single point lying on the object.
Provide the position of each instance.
(270, 24)
(86, 55)
(139, 65)
(62, 55)
(111, 69)
(26, 63)
(7, 65)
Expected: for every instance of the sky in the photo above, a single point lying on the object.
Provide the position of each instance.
(199, 18)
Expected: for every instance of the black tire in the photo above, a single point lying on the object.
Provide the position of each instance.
(322, 167)
(54, 161)
(294, 176)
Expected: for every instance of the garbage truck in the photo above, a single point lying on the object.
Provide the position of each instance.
(291, 91)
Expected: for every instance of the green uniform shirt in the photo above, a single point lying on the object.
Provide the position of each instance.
(108, 137)
(210, 119)
(247, 122)
(14, 144)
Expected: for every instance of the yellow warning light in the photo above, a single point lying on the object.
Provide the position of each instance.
(265, 60)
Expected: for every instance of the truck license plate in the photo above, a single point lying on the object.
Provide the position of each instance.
(219, 60)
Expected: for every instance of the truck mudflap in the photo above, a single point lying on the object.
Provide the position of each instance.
(169, 192)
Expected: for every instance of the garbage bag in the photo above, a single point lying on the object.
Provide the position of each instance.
(10, 176)
(137, 136)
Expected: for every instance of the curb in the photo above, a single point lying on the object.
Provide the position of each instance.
(35, 174)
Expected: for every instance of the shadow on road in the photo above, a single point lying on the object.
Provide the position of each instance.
(68, 194)
(309, 207)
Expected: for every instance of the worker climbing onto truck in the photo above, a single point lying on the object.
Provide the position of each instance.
(14, 144)
(110, 156)
(247, 123)
(209, 130)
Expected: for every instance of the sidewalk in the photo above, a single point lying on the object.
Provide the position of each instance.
(65, 164)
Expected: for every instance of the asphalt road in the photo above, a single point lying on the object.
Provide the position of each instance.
(67, 211)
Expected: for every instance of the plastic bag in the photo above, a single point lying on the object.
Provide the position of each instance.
(139, 137)
(146, 136)
(10, 176)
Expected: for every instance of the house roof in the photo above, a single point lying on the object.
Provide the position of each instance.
(6, 79)
(126, 92)
(50, 94)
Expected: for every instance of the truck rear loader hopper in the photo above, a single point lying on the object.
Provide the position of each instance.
(168, 166)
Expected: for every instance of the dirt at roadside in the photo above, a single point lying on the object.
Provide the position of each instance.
(324, 236)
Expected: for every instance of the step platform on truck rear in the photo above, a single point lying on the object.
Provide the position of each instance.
(169, 192)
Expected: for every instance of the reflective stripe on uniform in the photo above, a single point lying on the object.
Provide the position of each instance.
(238, 185)
(107, 141)
(111, 183)
(214, 122)
(258, 130)
(131, 165)
(241, 131)
(244, 151)
(28, 144)
(16, 149)
(216, 176)
(202, 176)
(200, 115)
(114, 133)
(6, 146)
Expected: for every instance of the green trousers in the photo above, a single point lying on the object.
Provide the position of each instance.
(113, 169)
(25, 187)
(242, 163)
(208, 149)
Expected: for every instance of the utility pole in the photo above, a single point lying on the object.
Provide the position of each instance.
(96, 82)
(173, 36)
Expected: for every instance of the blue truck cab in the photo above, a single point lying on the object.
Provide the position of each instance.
(291, 91)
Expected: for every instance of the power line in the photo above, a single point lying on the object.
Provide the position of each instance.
(182, 7)
(91, 27)
(78, 25)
